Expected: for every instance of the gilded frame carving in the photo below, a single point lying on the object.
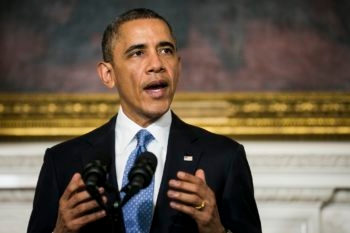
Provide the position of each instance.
(262, 115)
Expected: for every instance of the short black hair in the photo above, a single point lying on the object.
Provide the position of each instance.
(111, 31)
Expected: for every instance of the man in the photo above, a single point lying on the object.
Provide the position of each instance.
(202, 182)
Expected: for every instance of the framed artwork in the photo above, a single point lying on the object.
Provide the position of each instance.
(250, 68)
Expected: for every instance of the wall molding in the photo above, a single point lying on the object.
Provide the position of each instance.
(320, 115)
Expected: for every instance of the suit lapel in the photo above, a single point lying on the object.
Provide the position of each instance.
(182, 155)
(102, 147)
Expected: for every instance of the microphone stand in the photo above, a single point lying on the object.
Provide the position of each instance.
(114, 211)
(129, 190)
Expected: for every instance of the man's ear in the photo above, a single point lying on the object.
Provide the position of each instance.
(106, 73)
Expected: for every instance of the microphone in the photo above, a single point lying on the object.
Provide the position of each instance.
(140, 175)
(95, 176)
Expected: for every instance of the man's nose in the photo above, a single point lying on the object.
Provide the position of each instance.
(155, 63)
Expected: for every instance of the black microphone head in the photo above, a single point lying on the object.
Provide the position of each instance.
(142, 172)
(95, 174)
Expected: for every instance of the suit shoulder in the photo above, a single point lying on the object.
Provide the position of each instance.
(213, 139)
(85, 139)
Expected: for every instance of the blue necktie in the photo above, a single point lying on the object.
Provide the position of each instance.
(138, 210)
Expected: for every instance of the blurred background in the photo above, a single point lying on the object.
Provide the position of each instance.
(242, 45)
(274, 48)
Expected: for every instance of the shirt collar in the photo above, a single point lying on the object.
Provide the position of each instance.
(126, 129)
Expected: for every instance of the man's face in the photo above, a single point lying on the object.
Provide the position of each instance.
(146, 69)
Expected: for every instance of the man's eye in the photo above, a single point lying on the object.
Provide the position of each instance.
(136, 53)
(167, 51)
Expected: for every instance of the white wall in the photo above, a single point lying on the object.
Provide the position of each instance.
(302, 186)
(299, 186)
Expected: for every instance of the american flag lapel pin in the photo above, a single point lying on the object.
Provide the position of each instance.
(188, 157)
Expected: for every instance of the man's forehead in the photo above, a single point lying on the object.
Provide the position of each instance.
(144, 31)
(142, 26)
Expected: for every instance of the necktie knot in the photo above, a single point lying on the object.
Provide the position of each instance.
(143, 139)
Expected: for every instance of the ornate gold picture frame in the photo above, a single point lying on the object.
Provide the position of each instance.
(308, 115)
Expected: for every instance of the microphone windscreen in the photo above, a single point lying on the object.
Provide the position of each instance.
(147, 158)
(144, 168)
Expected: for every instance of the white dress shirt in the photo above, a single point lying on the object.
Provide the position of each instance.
(125, 143)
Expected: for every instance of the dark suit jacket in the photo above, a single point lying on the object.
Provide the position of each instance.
(223, 160)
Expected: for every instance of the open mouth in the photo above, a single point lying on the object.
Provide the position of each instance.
(156, 85)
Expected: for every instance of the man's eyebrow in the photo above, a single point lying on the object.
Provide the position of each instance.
(143, 46)
(167, 43)
(133, 47)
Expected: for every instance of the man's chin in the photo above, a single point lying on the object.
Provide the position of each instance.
(156, 111)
